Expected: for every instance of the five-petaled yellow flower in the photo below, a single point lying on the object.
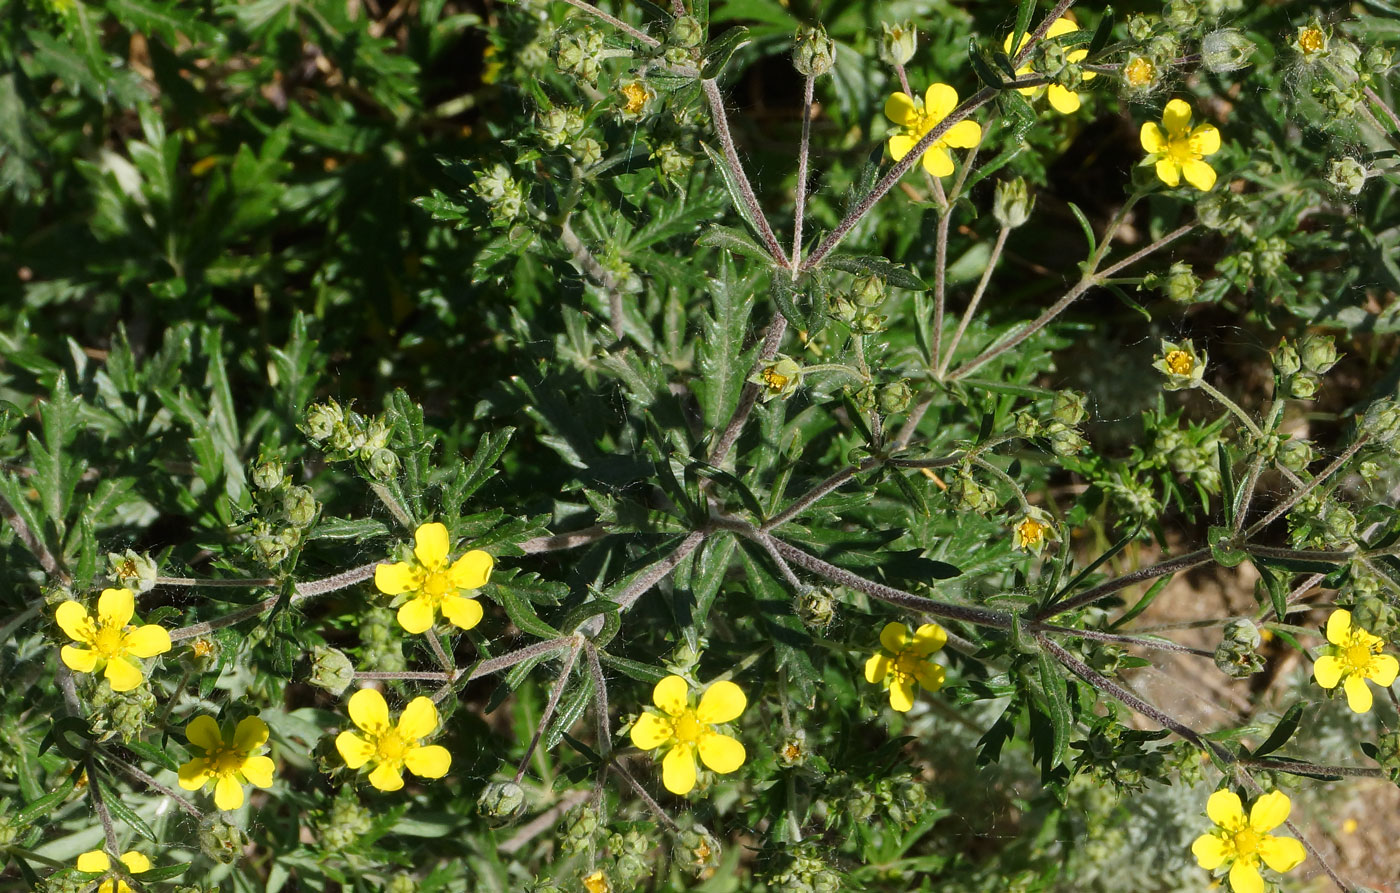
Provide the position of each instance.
(95, 861)
(392, 748)
(689, 729)
(904, 662)
(1239, 843)
(916, 118)
(1178, 151)
(110, 638)
(432, 584)
(230, 765)
(1063, 100)
(1354, 655)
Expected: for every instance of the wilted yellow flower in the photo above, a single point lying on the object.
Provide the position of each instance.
(1354, 655)
(689, 730)
(1178, 151)
(230, 765)
(916, 118)
(111, 639)
(392, 748)
(1239, 844)
(95, 861)
(903, 662)
(1063, 100)
(432, 584)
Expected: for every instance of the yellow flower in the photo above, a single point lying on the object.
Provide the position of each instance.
(111, 639)
(392, 747)
(230, 765)
(690, 729)
(1241, 843)
(635, 96)
(1180, 362)
(96, 861)
(434, 585)
(917, 118)
(1062, 99)
(1178, 151)
(1354, 655)
(1035, 528)
(1139, 73)
(903, 662)
(597, 882)
(1311, 40)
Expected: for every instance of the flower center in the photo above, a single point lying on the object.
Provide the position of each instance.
(1357, 657)
(436, 585)
(390, 747)
(687, 728)
(1031, 531)
(1139, 72)
(1179, 361)
(775, 380)
(224, 760)
(1246, 841)
(107, 641)
(1312, 40)
(905, 664)
(636, 96)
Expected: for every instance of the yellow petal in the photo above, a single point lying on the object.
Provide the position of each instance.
(1169, 172)
(650, 731)
(937, 162)
(678, 769)
(670, 694)
(1358, 694)
(94, 861)
(250, 734)
(136, 863)
(431, 545)
(115, 607)
(1006, 44)
(228, 793)
(73, 619)
(1384, 669)
(195, 774)
(1244, 878)
(1282, 853)
(472, 570)
(1176, 118)
(1199, 174)
(939, 101)
(354, 750)
(1225, 809)
(1327, 671)
(146, 641)
(368, 711)
(929, 638)
(203, 732)
(1209, 851)
(463, 613)
(386, 777)
(1205, 140)
(418, 720)
(929, 675)
(894, 637)
(391, 579)
(80, 659)
(122, 674)
(721, 753)
(1338, 626)
(721, 702)
(1062, 100)
(431, 761)
(1269, 811)
(417, 615)
(258, 770)
(902, 696)
(899, 108)
(963, 135)
(877, 667)
(1062, 25)
(900, 144)
(1153, 142)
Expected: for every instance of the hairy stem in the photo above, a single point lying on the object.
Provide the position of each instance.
(1160, 569)
(736, 170)
(803, 151)
(303, 592)
(981, 289)
(550, 707)
(560, 541)
(1307, 488)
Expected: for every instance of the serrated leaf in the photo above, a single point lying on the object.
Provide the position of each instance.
(734, 241)
(894, 274)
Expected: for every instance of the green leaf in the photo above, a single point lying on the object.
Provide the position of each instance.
(523, 615)
(894, 274)
(1103, 33)
(1222, 547)
(1023, 23)
(1144, 602)
(1053, 686)
(982, 65)
(1283, 731)
(122, 812)
(736, 196)
(734, 241)
(1085, 226)
(721, 50)
(634, 669)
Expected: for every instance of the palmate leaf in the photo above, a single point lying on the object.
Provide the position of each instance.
(721, 357)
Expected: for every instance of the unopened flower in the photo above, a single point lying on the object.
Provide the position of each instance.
(898, 42)
(392, 748)
(1351, 657)
(432, 585)
(96, 861)
(1177, 149)
(916, 118)
(1239, 844)
(1181, 364)
(228, 765)
(133, 570)
(780, 378)
(112, 641)
(902, 663)
(688, 730)
(1033, 530)
(1062, 99)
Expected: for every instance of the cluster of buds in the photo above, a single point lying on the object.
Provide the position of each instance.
(381, 646)
(1067, 412)
(502, 193)
(968, 495)
(343, 824)
(286, 512)
(559, 125)
(220, 839)
(1122, 757)
(344, 434)
(629, 850)
(805, 872)
(580, 828)
(121, 714)
(580, 54)
(1238, 655)
(1322, 523)
(859, 308)
(672, 161)
(1300, 368)
(1191, 453)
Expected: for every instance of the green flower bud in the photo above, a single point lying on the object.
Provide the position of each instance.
(330, 669)
(1302, 385)
(697, 851)
(1382, 421)
(1347, 174)
(580, 826)
(346, 822)
(1388, 754)
(300, 506)
(586, 151)
(402, 883)
(1012, 204)
(1064, 440)
(686, 31)
(869, 291)
(969, 495)
(220, 839)
(322, 420)
(1182, 284)
(269, 474)
(1237, 654)
(503, 196)
(1226, 50)
(1069, 407)
(1295, 455)
(814, 53)
(678, 56)
(201, 655)
(1181, 364)
(1027, 425)
(133, 570)
(503, 800)
(779, 378)
(898, 43)
(556, 126)
(384, 464)
(1139, 27)
(671, 160)
(1181, 15)
(1318, 353)
(1286, 360)
(1374, 615)
(817, 608)
(895, 397)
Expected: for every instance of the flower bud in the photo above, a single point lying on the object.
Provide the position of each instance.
(586, 151)
(269, 474)
(898, 43)
(1139, 27)
(1286, 360)
(1318, 353)
(299, 505)
(322, 420)
(1012, 204)
(596, 881)
(503, 196)
(895, 397)
(1302, 385)
(1180, 14)
(671, 160)
(1182, 283)
(1069, 407)
(1347, 174)
(1027, 425)
(384, 464)
(1295, 455)
(814, 53)
(330, 669)
(686, 31)
(697, 851)
(869, 291)
(780, 378)
(220, 839)
(133, 570)
(1382, 421)
(580, 825)
(402, 883)
(817, 608)
(1374, 615)
(201, 655)
(503, 800)
(1226, 50)
(1237, 655)
(1064, 440)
